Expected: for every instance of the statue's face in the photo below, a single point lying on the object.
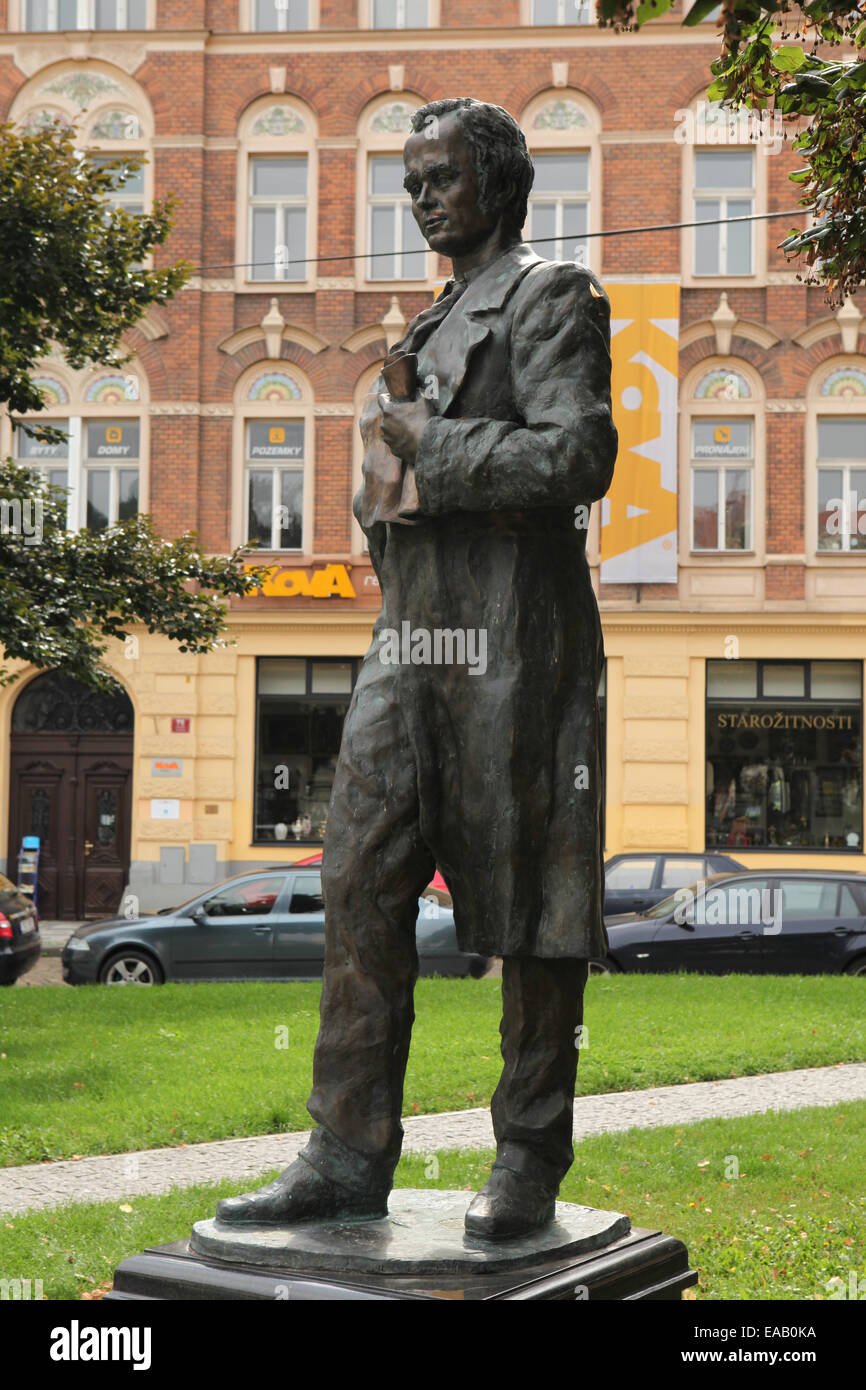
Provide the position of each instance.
(440, 179)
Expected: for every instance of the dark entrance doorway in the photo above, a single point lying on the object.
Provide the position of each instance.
(71, 784)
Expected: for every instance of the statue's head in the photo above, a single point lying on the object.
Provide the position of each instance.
(468, 171)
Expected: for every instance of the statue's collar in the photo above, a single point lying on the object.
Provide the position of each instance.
(491, 286)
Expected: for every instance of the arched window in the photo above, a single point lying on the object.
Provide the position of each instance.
(724, 178)
(395, 249)
(723, 446)
(276, 231)
(111, 117)
(102, 461)
(836, 449)
(272, 494)
(562, 130)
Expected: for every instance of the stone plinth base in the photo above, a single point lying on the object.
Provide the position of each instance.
(420, 1250)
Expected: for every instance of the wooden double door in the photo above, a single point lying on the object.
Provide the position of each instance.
(73, 790)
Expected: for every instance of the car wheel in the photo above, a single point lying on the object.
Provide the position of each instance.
(856, 967)
(603, 967)
(130, 968)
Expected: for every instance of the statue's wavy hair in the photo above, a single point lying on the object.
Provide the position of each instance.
(503, 169)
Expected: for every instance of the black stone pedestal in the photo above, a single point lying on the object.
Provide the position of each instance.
(419, 1251)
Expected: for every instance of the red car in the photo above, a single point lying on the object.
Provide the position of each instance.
(437, 883)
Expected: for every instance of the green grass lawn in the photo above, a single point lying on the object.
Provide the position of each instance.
(99, 1070)
(791, 1223)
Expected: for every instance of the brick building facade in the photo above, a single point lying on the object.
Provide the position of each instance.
(279, 126)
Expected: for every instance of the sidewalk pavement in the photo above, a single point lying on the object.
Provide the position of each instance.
(55, 936)
(116, 1176)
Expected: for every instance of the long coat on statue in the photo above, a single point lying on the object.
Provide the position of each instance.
(508, 757)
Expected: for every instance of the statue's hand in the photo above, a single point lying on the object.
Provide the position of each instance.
(403, 424)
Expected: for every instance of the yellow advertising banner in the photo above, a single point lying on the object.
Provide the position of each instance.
(639, 513)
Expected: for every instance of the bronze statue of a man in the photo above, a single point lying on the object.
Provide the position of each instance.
(475, 497)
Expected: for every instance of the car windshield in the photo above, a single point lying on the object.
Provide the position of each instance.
(668, 905)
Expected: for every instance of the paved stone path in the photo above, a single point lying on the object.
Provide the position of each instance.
(117, 1176)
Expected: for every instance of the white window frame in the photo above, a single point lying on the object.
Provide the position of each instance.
(277, 468)
(555, 251)
(721, 468)
(584, 140)
(827, 408)
(845, 468)
(302, 144)
(689, 195)
(401, 16)
(584, 9)
(280, 205)
(42, 467)
(282, 9)
(244, 413)
(365, 18)
(112, 466)
(698, 562)
(398, 202)
(78, 412)
(724, 196)
(85, 17)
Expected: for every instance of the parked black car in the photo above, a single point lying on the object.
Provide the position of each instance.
(786, 922)
(20, 943)
(263, 925)
(633, 882)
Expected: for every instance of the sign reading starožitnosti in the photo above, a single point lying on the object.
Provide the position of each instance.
(639, 513)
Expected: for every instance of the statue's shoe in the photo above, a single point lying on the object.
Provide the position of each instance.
(509, 1206)
(301, 1193)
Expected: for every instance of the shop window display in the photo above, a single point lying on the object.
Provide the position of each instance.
(300, 708)
(784, 755)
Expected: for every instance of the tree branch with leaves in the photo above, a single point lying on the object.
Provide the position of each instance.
(804, 80)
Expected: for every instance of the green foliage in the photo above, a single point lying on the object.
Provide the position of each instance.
(71, 275)
(63, 594)
(69, 263)
(821, 94)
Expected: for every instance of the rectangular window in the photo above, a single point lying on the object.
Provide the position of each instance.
(111, 467)
(300, 708)
(724, 188)
(283, 16)
(784, 755)
(275, 483)
(128, 196)
(51, 461)
(559, 206)
(54, 15)
(398, 250)
(563, 11)
(399, 14)
(842, 484)
(722, 467)
(278, 218)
